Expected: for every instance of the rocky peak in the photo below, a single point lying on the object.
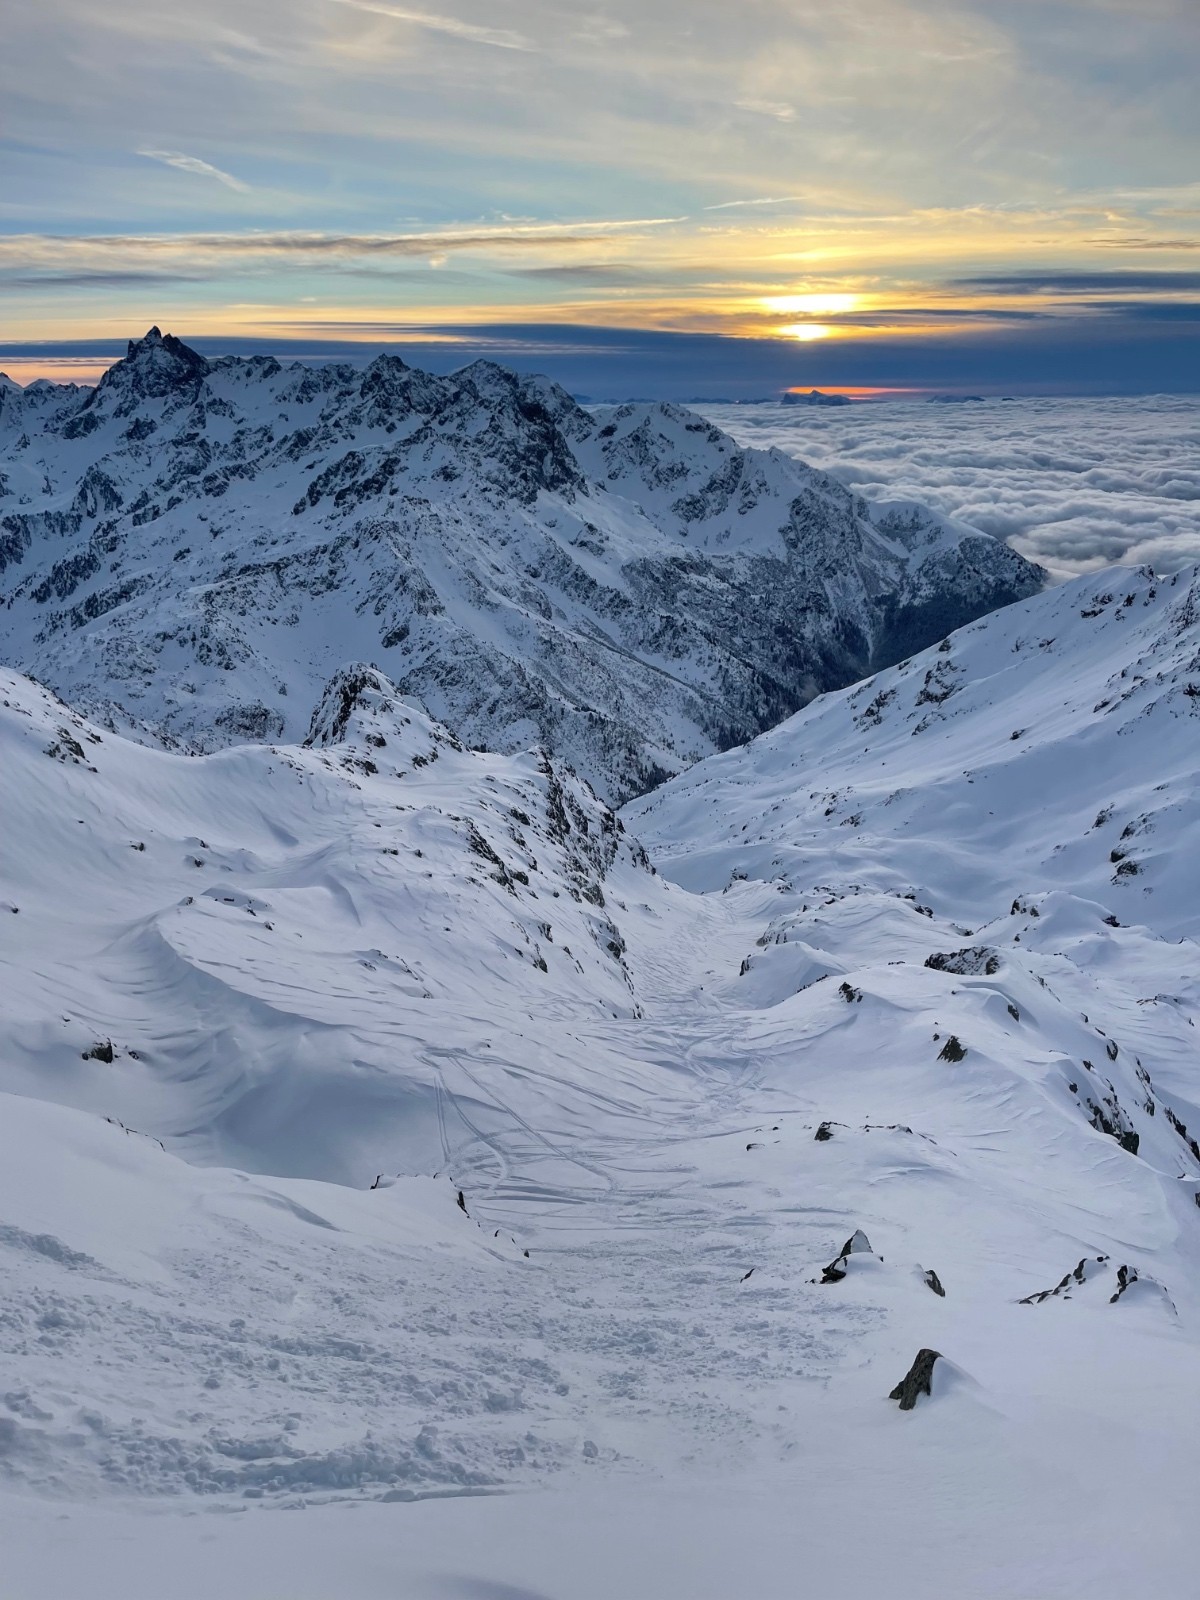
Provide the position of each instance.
(354, 687)
(628, 589)
(155, 365)
(361, 707)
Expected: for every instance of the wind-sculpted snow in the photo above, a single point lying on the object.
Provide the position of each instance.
(455, 1150)
(191, 549)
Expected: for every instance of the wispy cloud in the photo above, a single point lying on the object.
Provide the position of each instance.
(499, 38)
(193, 164)
(99, 279)
(768, 200)
(1129, 242)
(779, 109)
(586, 272)
(1081, 282)
(101, 252)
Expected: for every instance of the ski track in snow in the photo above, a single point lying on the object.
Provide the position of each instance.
(384, 959)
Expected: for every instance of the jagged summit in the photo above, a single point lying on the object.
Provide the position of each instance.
(201, 545)
(361, 710)
(155, 365)
(352, 688)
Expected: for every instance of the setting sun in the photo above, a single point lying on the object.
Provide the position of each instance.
(808, 332)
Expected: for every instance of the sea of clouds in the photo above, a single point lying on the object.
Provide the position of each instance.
(1077, 484)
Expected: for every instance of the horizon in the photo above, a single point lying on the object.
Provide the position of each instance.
(938, 195)
(613, 366)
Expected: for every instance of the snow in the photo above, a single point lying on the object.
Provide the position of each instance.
(190, 550)
(253, 1345)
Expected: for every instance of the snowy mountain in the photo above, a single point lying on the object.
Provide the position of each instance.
(1054, 741)
(244, 909)
(894, 1053)
(192, 548)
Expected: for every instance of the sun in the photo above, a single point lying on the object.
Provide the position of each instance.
(807, 332)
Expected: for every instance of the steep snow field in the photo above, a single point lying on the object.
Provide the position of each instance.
(916, 975)
(191, 549)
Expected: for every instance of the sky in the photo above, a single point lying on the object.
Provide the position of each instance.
(641, 197)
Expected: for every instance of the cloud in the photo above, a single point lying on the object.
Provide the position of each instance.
(41, 254)
(1149, 310)
(609, 356)
(499, 38)
(922, 316)
(585, 272)
(1071, 281)
(770, 200)
(779, 109)
(116, 279)
(202, 169)
(1128, 243)
(1076, 484)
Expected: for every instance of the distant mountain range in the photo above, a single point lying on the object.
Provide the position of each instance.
(191, 549)
(814, 397)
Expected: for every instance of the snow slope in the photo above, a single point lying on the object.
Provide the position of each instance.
(888, 990)
(193, 548)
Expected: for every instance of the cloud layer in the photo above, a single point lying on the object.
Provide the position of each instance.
(1075, 484)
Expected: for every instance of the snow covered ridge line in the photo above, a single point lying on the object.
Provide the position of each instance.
(1086, 697)
(1031, 787)
(191, 549)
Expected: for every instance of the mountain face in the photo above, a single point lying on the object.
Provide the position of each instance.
(1055, 741)
(380, 1120)
(192, 548)
(379, 858)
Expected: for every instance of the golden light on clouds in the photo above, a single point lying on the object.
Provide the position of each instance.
(816, 305)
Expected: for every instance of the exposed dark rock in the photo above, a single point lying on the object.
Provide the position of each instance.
(857, 1243)
(975, 961)
(1083, 1269)
(918, 1380)
(1126, 1278)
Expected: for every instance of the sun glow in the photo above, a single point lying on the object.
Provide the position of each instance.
(814, 305)
(808, 332)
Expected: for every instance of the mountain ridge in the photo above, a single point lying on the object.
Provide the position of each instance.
(195, 546)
